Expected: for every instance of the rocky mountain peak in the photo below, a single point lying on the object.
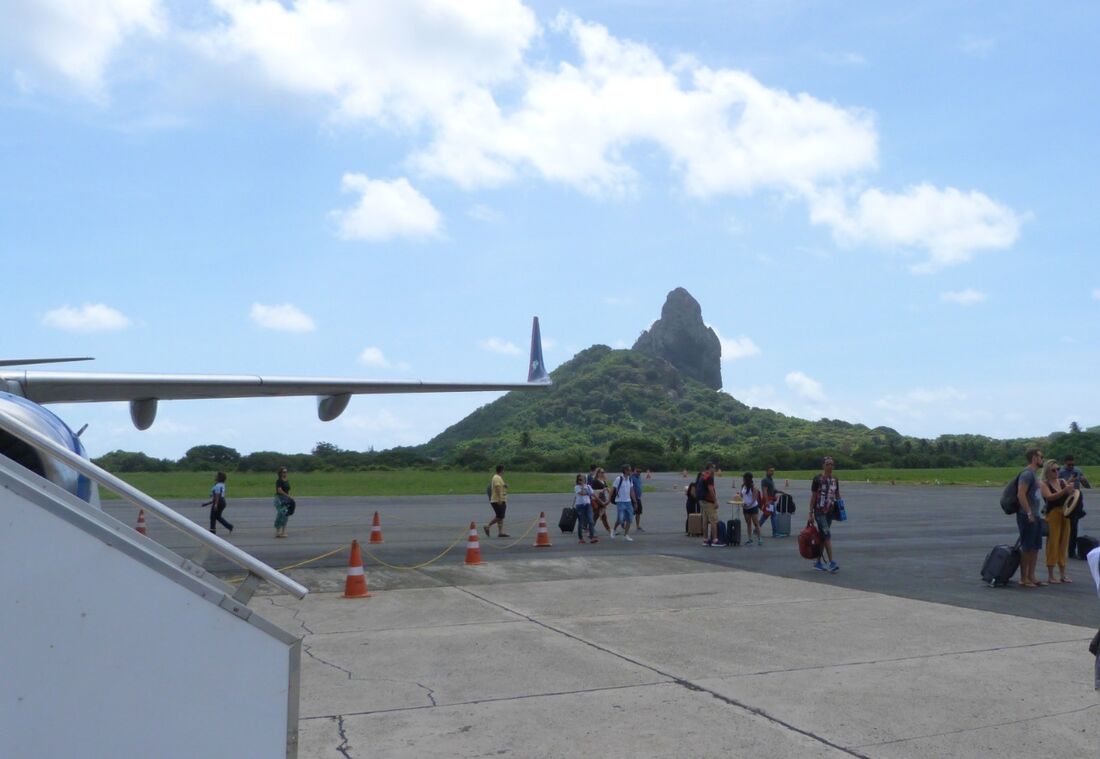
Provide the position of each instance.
(681, 338)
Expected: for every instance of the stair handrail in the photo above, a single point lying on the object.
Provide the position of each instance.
(128, 492)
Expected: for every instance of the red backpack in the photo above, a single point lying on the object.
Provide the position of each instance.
(809, 543)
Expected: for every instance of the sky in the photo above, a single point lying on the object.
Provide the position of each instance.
(886, 210)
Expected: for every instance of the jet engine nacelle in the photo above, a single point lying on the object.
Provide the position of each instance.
(48, 424)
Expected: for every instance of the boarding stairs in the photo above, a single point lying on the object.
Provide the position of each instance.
(116, 646)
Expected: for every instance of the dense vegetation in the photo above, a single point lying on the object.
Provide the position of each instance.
(612, 406)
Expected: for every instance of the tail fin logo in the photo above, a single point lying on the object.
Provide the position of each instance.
(536, 371)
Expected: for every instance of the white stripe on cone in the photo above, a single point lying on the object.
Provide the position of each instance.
(354, 571)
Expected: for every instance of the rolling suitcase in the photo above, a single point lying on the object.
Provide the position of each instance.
(568, 519)
(733, 532)
(720, 529)
(694, 525)
(781, 527)
(1001, 563)
(1085, 543)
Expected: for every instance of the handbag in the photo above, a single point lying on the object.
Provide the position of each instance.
(841, 514)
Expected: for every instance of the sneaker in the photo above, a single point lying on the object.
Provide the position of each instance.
(611, 536)
(833, 566)
(706, 543)
(487, 531)
(504, 535)
(760, 541)
(628, 539)
(581, 540)
(819, 565)
(640, 529)
(593, 539)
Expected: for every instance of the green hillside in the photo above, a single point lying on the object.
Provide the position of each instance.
(622, 405)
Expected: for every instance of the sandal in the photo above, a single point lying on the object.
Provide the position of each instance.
(1066, 580)
(1028, 585)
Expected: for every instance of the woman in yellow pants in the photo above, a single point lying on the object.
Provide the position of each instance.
(1055, 492)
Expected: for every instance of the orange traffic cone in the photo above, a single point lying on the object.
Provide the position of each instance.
(473, 547)
(355, 586)
(542, 539)
(140, 526)
(376, 530)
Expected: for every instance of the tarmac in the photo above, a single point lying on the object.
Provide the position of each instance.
(663, 648)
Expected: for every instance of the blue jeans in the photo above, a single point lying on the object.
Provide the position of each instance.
(585, 520)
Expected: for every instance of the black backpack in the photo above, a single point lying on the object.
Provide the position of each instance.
(1010, 503)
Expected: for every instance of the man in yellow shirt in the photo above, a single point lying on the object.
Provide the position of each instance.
(498, 499)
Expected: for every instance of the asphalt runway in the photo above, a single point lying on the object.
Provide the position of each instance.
(925, 543)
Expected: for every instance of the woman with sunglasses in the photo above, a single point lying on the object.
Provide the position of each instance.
(1055, 491)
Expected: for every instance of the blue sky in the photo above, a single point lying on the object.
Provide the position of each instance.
(887, 212)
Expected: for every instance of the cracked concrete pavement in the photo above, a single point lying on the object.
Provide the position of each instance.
(663, 656)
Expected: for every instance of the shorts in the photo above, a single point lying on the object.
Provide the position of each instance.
(638, 507)
(499, 509)
(1031, 535)
(626, 513)
(822, 522)
(710, 512)
(752, 510)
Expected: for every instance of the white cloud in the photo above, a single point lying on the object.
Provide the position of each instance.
(374, 357)
(967, 297)
(496, 345)
(284, 318)
(91, 317)
(912, 401)
(385, 210)
(72, 43)
(721, 129)
(735, 348)
(484, 213)
(401, 62)
(806, 387)
(949, 225)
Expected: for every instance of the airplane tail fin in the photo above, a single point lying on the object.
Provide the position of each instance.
(536, 368)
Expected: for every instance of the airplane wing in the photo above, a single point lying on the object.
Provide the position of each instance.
(144, 390)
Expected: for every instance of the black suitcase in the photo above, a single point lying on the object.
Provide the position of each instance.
(721, 534)
(1001, 563)
(784, 504)
(568, 519)
(1086, 543)
(733, 532)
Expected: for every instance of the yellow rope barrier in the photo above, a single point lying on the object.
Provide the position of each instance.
(517, 540)
(433, 560)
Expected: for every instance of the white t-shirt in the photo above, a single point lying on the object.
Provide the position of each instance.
(218, 490)
(748, 495)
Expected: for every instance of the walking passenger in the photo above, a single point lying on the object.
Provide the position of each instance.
(769, 492)
(1055, 491)
(601, 498)
(824, 492)
(582, 502)
(284, 504)
(498, 499)
(623, 492)
(750, 497)
(217, 504)
(636, 482)
(1027, 519)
